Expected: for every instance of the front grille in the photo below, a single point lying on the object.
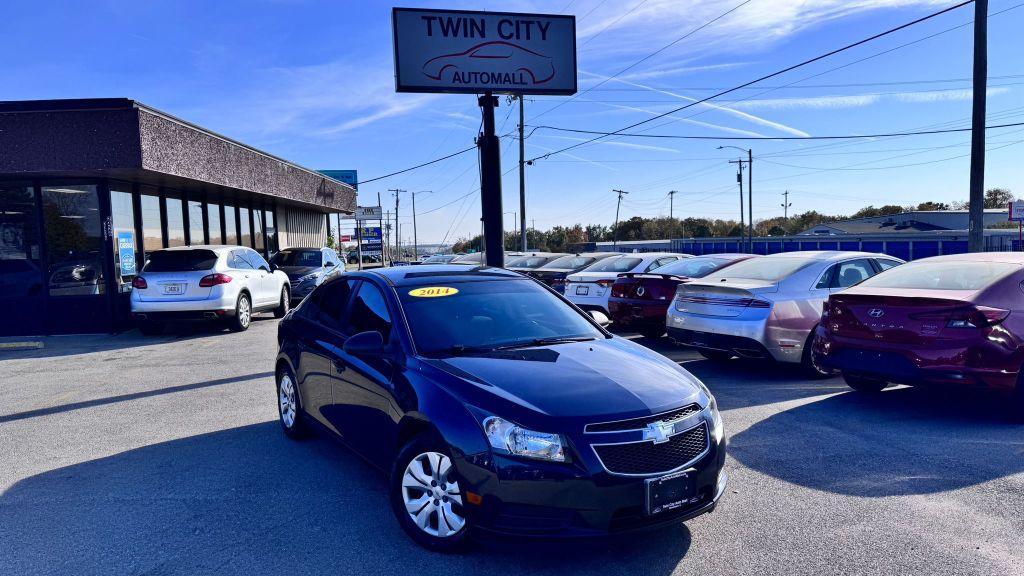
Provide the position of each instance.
(646, 457)
(642, 422)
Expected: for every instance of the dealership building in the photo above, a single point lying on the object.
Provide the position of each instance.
(89, 187)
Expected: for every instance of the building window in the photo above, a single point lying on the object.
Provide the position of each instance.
(73, 240)
(243, 219)
(126, 245)
(175, 220)
(230, 229)
(213, 218)
(257, 229)
(152, 239)
(195, 222)
(272, 245)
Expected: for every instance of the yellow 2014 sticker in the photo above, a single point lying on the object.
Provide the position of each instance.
(434, 292)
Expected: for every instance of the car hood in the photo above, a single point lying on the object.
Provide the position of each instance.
(568, 385)
(298, 271)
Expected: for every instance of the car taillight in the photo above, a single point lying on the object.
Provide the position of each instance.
(604, 283)
(139, 283)
(556, 281)
(976, 317)
(211, 280)
(618, 291)
(755, 303)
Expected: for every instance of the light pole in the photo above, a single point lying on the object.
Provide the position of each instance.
(785, 205)
(615, 230)
(515, 220)
(750, 192)
(671, 199)
(415, 238)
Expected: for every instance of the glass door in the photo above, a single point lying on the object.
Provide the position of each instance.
(21, 272)
(75, 282)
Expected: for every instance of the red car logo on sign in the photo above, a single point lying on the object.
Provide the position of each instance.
(477, 66)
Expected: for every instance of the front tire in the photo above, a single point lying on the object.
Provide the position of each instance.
(243, 314)
(428, 497)
(864, 384)
(283, 305)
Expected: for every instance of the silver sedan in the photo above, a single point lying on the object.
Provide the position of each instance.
(766, 307)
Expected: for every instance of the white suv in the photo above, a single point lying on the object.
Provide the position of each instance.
(223, 283)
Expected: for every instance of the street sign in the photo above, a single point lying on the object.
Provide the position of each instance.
(347, 176)
(345, 238)
(370, 233)
(1016, 211)
(369, 213)
(469, 52)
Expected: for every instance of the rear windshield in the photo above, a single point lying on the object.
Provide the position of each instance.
(570, 262)
(767, 269)
(488, 314)
(621, 264)
(297, 258)
(439, 258)
(180, 260)
(692, 267)
(950, 275)
(528, 262)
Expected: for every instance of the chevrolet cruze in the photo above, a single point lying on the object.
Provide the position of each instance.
(497, 406)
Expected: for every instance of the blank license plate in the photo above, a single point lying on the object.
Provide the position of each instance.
(582, 290)
(669, 492)
(174, 288)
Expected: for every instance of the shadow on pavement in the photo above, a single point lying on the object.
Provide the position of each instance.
(249, 501)
(69, 345)
(902, 441)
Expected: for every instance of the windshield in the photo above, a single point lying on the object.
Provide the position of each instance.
(570, 262)
(528, 262)
(180, 260)
(488, 314)
(297, 258)
(692, 267)
(950, 275)
(621, 264)
(439, 259)
(768, 269)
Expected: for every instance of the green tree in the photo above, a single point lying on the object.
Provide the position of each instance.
(998, 198)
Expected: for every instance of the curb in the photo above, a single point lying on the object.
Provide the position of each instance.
(14, 346)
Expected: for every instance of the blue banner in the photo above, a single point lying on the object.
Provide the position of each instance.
(370, 233)
(126, 252)
(347, 176)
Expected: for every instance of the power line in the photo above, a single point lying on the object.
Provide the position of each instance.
(765, 77)
(847, 85)
(434, 161)
(681, 137)
(613, 23)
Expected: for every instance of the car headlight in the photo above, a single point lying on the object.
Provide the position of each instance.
(308, 277)
(513, 439)
(718, 426)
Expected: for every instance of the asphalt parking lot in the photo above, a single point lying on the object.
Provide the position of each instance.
(133, 455)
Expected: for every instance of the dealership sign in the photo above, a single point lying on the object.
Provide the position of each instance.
(1016, 213)
(474, 52)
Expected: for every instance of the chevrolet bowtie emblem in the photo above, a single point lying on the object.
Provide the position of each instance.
(659, 431)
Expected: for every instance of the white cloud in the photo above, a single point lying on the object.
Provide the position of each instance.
(614, 143)
(860, 100)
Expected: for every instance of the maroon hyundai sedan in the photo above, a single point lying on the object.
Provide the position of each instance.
(949, 320)
(639, 300)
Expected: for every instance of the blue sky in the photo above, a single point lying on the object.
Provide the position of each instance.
(312, 82)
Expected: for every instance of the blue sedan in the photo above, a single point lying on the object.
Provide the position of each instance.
(497, 406)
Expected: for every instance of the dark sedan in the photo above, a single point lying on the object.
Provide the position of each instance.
(307, 268)
(532, 261)
(948, 320)
(639, 300)
(555, 272)
(498, 407)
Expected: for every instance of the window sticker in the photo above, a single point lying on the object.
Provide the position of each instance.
(434, 292)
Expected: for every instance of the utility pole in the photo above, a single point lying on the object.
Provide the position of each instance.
(976, 232)
(398, 236)
(750, 199)
(785, 205)
(522, 174)
(381, 231)
(739, 179)
(386, 245)
(415, 238)
(671, 199)
(615, 230)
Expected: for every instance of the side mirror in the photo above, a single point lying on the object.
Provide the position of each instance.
(365, 344)
(264, 268)
(600, 318)
(328, 264)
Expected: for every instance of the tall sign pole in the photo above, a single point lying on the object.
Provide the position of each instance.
(490, 183)
(488, 53)
(750, 200)
(976, 232)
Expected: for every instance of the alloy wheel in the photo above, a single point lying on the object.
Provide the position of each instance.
(244, 312)
(286, 400)
(432, 496)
